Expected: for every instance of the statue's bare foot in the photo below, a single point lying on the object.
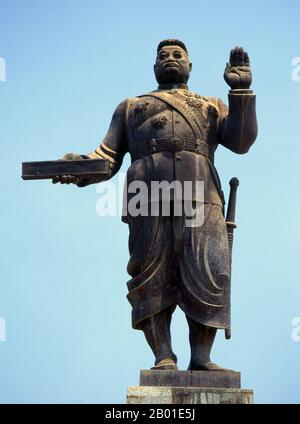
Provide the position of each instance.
(206, 366)
(166, 364)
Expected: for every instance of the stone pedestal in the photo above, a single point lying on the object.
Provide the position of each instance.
(189, 387)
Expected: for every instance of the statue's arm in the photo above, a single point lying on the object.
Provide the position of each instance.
(112, 148)
(238, 128)
(114, 144)
(238, 124)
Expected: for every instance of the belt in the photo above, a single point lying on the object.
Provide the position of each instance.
(173, 144)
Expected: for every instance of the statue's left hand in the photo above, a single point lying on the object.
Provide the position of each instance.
(237, 72)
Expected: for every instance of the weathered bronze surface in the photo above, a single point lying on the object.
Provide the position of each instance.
(171, 135)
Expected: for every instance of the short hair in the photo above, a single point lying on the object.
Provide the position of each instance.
(172, 42)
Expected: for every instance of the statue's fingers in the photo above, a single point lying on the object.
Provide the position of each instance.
(69, 179)
(63, 179)
(68, 156)
(55, 180)
(231, 57)
(246, 59)
(243, 69)
(241, 56)
(227, 68)
(75, 179)
(235, 70)
(236, 56)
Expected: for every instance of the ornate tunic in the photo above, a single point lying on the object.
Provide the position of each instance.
(172, 135)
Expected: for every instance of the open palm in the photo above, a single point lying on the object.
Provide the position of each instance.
(237, 72)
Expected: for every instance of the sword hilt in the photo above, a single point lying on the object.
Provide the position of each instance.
(230, 216)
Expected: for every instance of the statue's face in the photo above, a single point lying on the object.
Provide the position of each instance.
(172, 65)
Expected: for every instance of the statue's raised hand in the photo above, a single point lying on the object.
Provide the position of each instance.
(237, 72)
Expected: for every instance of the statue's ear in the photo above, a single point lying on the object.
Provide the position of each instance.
(191, 65)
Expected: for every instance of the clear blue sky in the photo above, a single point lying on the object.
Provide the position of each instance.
(63, 269)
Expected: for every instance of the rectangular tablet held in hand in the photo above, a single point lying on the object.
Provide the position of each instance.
(78, 168)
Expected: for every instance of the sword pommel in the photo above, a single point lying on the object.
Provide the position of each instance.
(234, 182)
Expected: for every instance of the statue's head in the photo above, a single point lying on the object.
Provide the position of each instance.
(172, 64)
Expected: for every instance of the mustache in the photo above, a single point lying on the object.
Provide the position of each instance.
(171, 63)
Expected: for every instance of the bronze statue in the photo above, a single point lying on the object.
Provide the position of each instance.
(171, 134)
